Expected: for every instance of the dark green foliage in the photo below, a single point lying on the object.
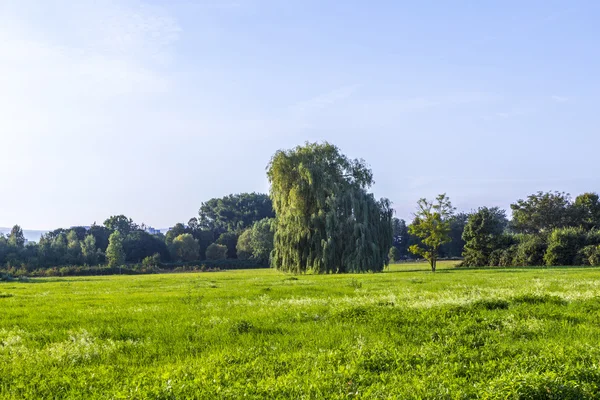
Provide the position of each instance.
(80, 231)
(120, 223)
(564, 246)
(542, 212)
(235, 212)
(586, 211)
(257, 242)
(178, 229)
(101, 235)
(401, 238)
(530, 250)
(185, 248)
(229, 239)
(152, 261)
(508, 256)
(483, 235)
(216, 252)
(394, 254)
(326, 221)
(591, 255)
(492, 304)
(593, 238)
(455, 247)
(16, 237)
(539, 299)
(138, 245)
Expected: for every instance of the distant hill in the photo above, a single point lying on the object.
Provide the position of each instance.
(30, 235)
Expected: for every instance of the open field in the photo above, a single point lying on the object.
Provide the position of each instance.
(406, 333)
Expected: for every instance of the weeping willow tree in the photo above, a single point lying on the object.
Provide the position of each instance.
(326, 221)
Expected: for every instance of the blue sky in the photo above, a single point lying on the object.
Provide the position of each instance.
(149, 108)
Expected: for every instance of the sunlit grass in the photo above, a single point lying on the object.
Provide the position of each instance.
(404, 333)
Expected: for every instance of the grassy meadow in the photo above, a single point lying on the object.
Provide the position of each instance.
(404, 333)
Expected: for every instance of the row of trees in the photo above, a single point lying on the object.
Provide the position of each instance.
(213, 235)
(547, 228)
(320, 217)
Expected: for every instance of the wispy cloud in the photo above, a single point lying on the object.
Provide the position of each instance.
(560, 99)
(105, 51)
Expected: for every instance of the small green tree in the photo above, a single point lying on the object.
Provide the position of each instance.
(185, 248)
(592, 255)
(74, 252)
(244, 245)
(89, 251)
(229, 240)
(178, 229)
(564, 245)
(432, 225)
(216, 252)
(120, 223)
(151, 261)
(115, 255)
(16, 237)
(482, 235)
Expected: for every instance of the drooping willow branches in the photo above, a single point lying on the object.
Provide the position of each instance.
(326, 221)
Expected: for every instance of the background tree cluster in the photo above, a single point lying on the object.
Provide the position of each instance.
(121, 241)
(547, 228)
(320, 217)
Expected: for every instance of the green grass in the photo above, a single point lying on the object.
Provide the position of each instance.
(405, 333)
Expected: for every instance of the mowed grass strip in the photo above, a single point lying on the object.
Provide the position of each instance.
(404, 333)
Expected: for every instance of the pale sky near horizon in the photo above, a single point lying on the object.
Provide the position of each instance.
(148, 108)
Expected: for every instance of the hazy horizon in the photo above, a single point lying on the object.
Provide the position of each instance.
(149, 108)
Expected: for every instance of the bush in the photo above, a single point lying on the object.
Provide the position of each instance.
(530, 251)
(591, 255)
(6, 277)
(508, 256)
(494, 260)
(593, 238)
(564, 246)
(151, 262)
(216, 252)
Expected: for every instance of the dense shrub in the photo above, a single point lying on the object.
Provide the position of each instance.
(591, 255)
(530, 250)
(564, 246)
(508, 256)
(593, 238)
(216, 252)
(494, 260)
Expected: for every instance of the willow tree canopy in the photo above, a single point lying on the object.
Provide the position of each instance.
(326, 221)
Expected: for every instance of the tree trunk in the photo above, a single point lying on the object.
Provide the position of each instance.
(433, 263)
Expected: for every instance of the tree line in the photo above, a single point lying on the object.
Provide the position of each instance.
(319, 216)
(211, 236)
